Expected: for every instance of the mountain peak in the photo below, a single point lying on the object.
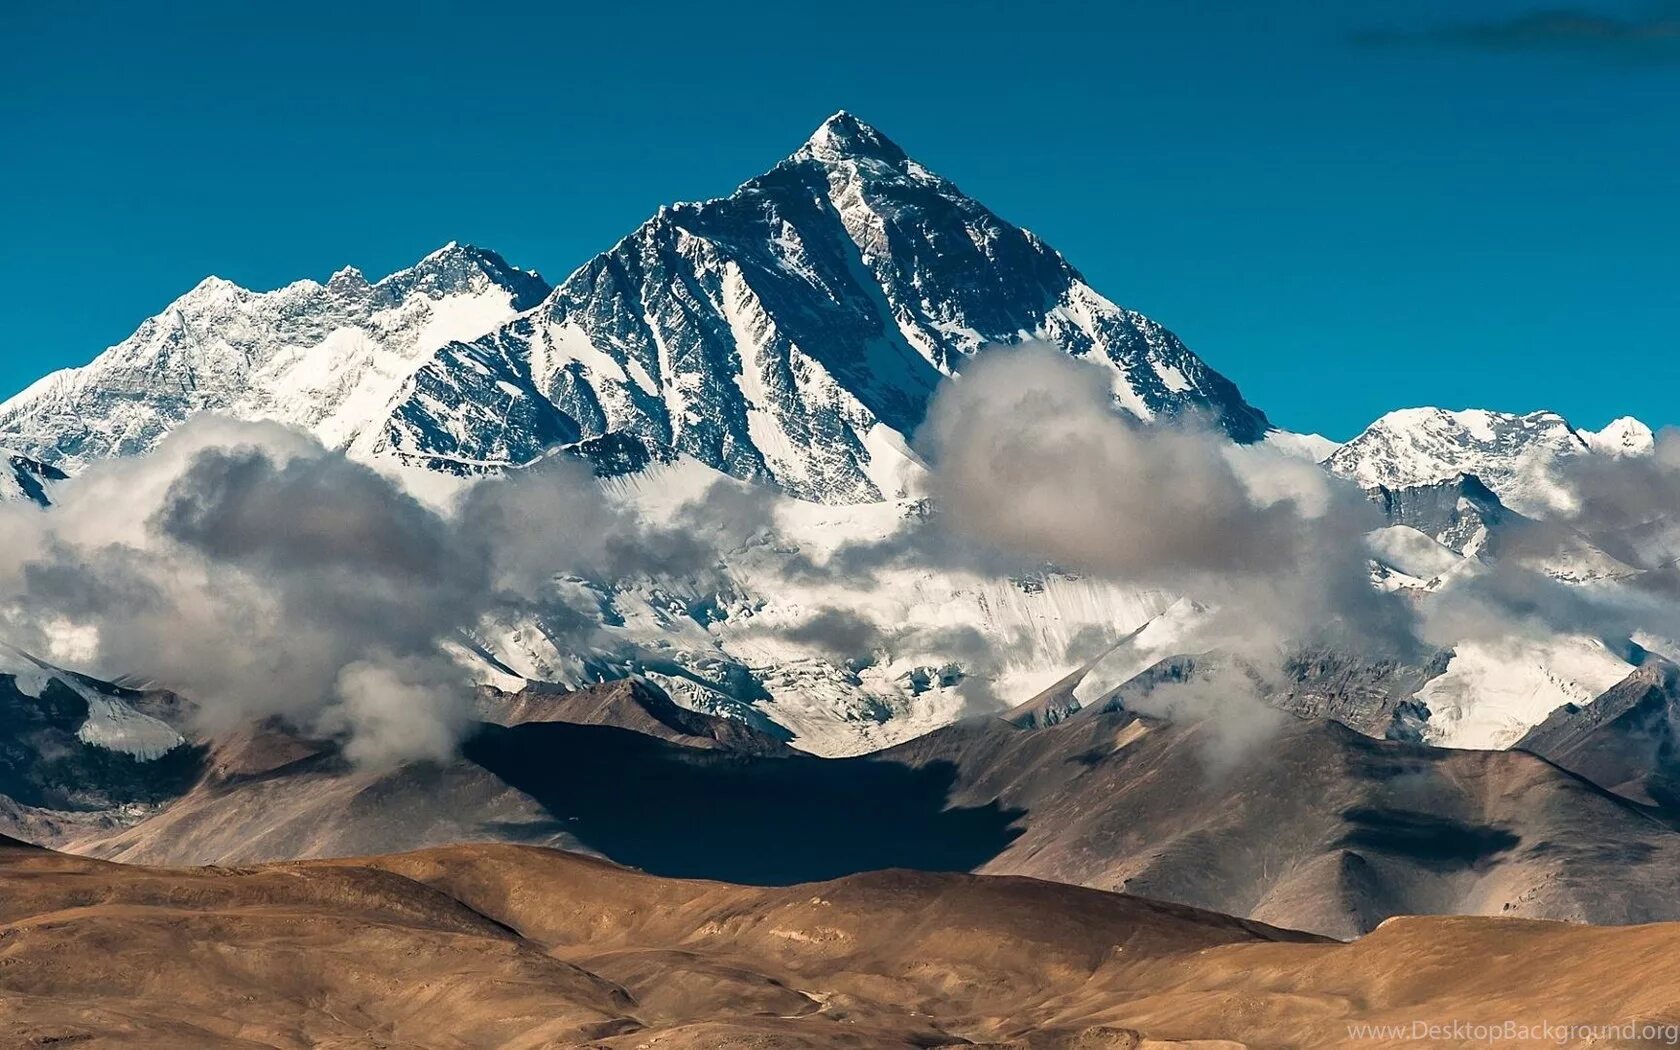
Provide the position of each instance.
(1626, 436)
(212, 286)
(791, 332)
(347, 277)
(453, 250)
(845, 137)
(1513, 455)
(456, 267)
(456, 256)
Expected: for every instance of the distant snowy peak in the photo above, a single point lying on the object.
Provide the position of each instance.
(1623, 437)
(1517, 456)
(1314, 448)
(329, 357)
(790, 333)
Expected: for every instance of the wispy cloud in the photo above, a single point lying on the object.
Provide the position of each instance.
(1653, 37)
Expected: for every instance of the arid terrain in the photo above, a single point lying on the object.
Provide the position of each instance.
(513, 946)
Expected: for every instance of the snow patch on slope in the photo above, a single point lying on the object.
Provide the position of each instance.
(115, 726)
(1165, 635)
(111, 723)
(24, 480)
(1420, 557)
(1494, 692)
(1315, 448)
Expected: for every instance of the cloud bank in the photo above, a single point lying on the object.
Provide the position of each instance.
(1031, 463)
(259, 573)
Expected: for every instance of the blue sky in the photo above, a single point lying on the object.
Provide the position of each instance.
(1346, 207)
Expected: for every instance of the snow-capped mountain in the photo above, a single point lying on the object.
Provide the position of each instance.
(1622, 437)
(330, 357)
(102, 714)
(1517, 456)
(789, 333)
(76, 752)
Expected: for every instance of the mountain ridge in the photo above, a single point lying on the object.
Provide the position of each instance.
(1517, 456)
(322, 355)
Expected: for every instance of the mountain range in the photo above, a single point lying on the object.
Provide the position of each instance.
(790, 333)
(790, 336)
(328, 357)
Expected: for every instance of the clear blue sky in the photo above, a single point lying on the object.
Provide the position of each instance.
(1347, 207)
